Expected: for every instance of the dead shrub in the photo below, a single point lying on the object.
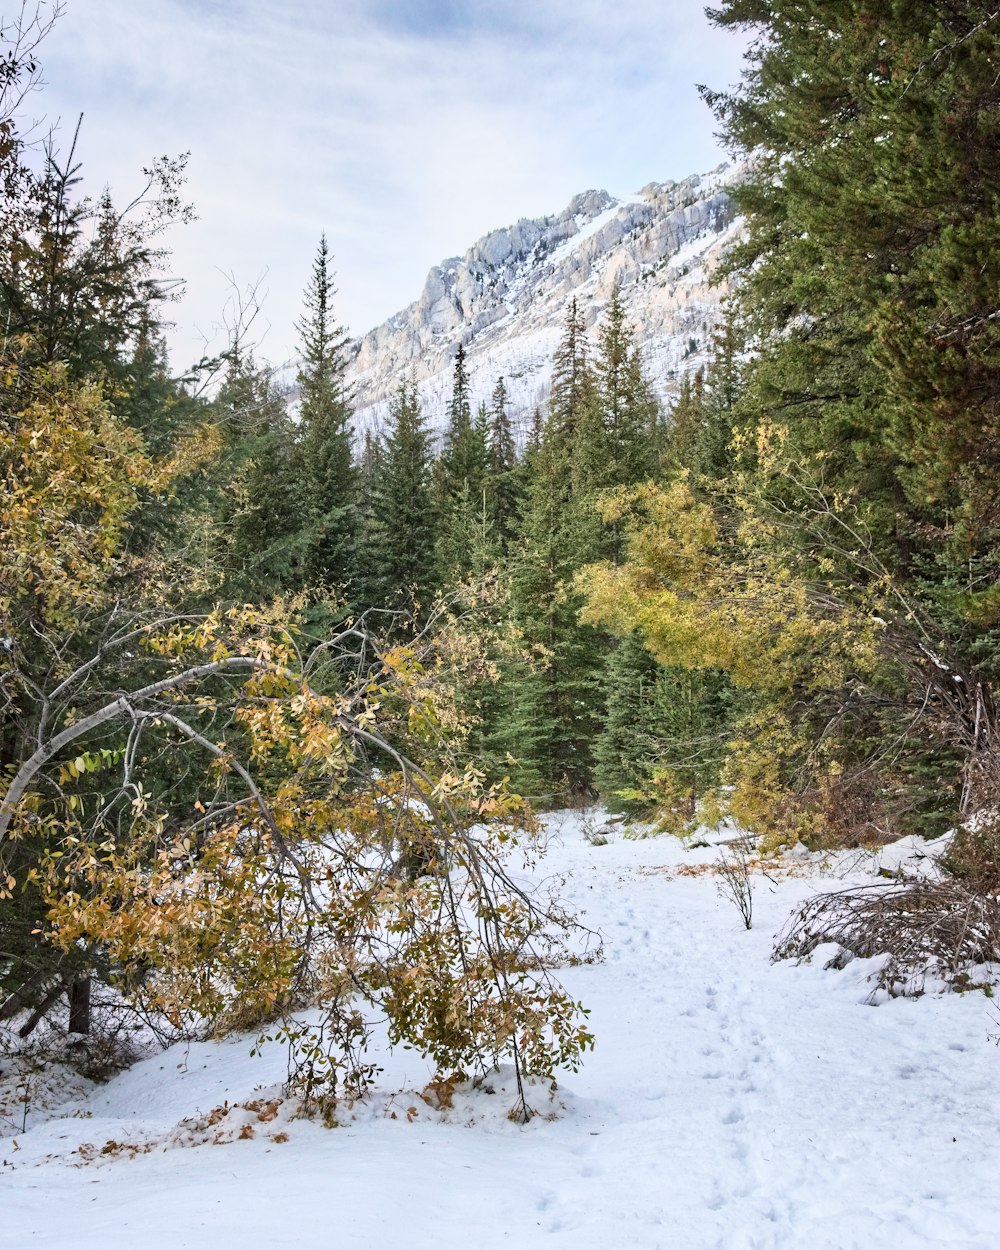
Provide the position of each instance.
(735, 869)
(927, 931)
(856, 810)
(104, 1053)
(974, 857)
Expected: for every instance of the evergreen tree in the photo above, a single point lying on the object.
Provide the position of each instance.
(629, 408)
(858, 448)
(618, 439)
(868, 283)
(168, 417)
(400, 540)
(261, 522)
(459, 481)
(572, 399)
(78, 279)
(678, 450)
(534, 439)
(664, 737)
(369, 474)
(329, 480)
(706, 411)
(502, 483)
(620, 771)
(557, 698)
(870, 273)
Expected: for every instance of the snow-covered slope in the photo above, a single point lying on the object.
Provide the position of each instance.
(731, 1104)
(506, 298)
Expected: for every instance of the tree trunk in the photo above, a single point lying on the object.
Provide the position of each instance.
(79, 1005)
(40, 1012)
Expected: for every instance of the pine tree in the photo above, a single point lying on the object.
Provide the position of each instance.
(261, 522)
(501, 481)
(868, 286)
(329, 479)
(401, 531)
(369, 474)
(79, 279)
(664, 736)
(618, 440)
(706, 411)
(629, 408)
(161, 409)
(557, 698)
(571, 401)
(459, 481)
(619, 772)
(870, 273)
(534, 439)
(683, 423)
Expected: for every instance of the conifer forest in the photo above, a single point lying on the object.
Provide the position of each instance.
(312, 727)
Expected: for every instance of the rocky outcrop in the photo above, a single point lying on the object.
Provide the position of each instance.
(506, 298)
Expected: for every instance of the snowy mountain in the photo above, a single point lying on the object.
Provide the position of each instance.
(506, 298)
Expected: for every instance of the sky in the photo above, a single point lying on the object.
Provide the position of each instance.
(403, 129)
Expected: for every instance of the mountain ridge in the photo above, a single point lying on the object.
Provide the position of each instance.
(505, 298)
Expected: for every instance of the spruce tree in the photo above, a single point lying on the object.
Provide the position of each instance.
(870, 273)
(571, 400)
(678, 450)
(401, 530)
(79, 281)
(664, 736)
(459, 481)
(557, 697)
(261, 520)
(501, 481)
(629, 408)
(620, 771)
(329, 483)
(707, 409)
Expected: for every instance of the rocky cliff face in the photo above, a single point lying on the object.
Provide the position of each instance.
(506, 298)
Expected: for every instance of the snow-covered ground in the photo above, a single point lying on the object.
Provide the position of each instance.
(730, 1103)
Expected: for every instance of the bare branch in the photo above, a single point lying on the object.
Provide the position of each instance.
(124, 705)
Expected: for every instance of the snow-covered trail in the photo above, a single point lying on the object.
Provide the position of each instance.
(730, 1104)
(746, 1104)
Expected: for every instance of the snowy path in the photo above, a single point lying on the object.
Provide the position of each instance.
(730, 1104)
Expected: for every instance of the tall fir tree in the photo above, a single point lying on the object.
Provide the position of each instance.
(557, 697)
(866, 424)
(261, 519)
(627, 746)
(572, 400)
(663, 742)
(629, 407)
(459, 481)
(80, 280)
(678, 450)
(502, 475)
(329, 477)
(706, 412)
(401, 530)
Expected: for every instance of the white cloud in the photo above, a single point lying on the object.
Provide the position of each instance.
(404, 138)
